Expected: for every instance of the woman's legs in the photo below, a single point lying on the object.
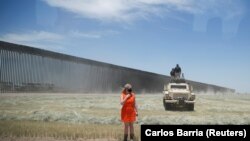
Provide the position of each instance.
(126, 126)
(131, 130)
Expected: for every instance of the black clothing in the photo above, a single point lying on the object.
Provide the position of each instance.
(177, 69)
(172, 73)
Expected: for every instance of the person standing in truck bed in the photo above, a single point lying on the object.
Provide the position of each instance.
(172, 73)
(177, 71)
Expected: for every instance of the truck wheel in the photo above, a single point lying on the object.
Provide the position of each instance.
(167, 106)
(164, 104)
(190, 107)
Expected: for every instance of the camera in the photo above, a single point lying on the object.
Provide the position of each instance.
(129, 90)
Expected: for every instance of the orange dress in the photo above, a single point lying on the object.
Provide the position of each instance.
(128, 113)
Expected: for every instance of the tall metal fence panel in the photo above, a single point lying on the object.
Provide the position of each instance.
(27, 69)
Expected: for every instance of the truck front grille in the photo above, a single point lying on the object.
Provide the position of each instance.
(180, 96)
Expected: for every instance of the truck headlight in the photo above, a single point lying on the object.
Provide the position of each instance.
(167, 97)
(192, 97)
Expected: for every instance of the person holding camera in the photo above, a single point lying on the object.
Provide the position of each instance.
(128, 111)
(177, 71)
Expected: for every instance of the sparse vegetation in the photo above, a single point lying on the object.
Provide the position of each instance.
(93, 116)
(65, 131)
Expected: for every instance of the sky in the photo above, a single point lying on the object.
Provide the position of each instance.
(209, 39)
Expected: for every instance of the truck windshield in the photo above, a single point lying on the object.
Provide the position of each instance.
(178, 86)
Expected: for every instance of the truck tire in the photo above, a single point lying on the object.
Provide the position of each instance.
(190, 107)
(167, 106)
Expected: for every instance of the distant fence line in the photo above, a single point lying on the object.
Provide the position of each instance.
(27, 69)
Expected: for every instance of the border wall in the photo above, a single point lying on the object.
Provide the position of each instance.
(28, 69)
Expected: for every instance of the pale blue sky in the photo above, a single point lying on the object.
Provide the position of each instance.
(209, 39)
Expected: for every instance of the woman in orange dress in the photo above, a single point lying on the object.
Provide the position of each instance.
(128, 111)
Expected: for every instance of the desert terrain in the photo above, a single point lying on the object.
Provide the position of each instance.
(89, 117)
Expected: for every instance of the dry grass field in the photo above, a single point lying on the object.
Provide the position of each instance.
(87, 117)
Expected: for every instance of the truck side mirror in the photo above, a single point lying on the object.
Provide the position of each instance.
(191, 88)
